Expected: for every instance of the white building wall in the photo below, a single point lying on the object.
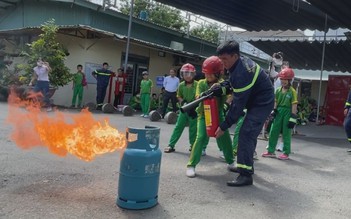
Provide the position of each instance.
(110, 51)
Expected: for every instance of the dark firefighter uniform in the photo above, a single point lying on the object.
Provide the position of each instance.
(253, 90)
(347, 122)
(102, 78)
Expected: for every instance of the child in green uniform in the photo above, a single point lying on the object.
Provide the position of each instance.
(154, 102)
(145, 90)
(134, 102)
(284, 113)
(212, 68)
(78, 85)
(185, 94)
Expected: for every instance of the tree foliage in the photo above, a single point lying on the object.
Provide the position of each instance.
(156, 13)
(47, 48)
(208, 32)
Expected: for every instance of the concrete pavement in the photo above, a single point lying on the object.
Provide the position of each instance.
(315, 183)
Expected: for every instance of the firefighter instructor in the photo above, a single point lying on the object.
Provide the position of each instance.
(253, 90)
(102, 77)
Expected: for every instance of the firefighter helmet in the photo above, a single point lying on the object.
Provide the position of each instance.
(286, 74)
(187, 69)
(212, 65)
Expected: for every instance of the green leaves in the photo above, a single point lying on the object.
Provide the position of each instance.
(157, 13)
(169, 17)
(207, 32)
(50, 50)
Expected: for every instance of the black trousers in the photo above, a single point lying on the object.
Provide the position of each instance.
(248, 134)
(166, 97)
(100, 92)
(347, 125)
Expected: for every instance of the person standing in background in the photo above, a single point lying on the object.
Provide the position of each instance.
(145, 91)
(41, 76)
(284, 114)
(78, 84)
(102, 77)
(170, 84)
(119, 87)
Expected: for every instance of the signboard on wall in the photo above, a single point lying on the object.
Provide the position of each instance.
(89, 68)
(159, 81)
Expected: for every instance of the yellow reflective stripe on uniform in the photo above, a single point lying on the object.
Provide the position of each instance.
(251, 84)
(349, 139)
(100, 73)
(292, 120)
(243, 166)
(347, 104)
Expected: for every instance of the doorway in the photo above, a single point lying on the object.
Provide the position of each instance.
(136, 65)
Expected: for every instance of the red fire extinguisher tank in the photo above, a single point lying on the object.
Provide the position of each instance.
(211, 116)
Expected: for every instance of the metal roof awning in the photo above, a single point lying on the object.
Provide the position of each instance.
(256, 15)
(339, 10)
(76, 31)
(308, 54)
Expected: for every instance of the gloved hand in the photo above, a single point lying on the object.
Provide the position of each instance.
(227, 86)
(274, 113)
(292, 121)
(217, 91)
(183, 102)
(192, 113)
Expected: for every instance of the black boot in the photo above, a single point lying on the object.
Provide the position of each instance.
(241, 180)
(235, 170)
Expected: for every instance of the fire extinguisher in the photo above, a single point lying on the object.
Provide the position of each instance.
(211, 116)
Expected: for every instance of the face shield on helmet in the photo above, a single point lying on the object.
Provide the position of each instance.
(187, 70)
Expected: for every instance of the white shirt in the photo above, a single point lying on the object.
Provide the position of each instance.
(42, 73)
(171, 83)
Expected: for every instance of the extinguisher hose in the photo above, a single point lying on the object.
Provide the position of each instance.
(187, 107)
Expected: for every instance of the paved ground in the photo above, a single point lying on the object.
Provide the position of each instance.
(315, 183)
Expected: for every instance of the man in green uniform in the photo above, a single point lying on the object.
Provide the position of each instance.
(78, 87)
(284, 114)
(185, 94)
(212, 67)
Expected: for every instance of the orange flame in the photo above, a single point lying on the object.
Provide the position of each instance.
(78, 134)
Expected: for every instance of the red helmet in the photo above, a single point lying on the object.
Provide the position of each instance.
(187, 69)
(286, 74)
(212, 65)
